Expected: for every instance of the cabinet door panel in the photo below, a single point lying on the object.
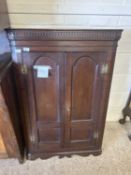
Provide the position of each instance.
(47, 91)
(83, 95)
(80, 132)
(49, 135)
(84, 73)
(44, 95)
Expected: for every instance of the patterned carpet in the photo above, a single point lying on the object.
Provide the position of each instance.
(115, 159)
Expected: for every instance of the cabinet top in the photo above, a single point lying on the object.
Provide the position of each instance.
(63, 35)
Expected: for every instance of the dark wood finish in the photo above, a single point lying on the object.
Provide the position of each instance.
(64, 35)
(45, 98)
(84, 89)
(9, 116)
(65, 113)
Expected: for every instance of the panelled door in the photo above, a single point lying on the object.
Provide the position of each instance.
(45, 98)
(83, 98)
(64, 92)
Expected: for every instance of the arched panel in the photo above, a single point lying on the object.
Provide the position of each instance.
(46, 91)
(83, 77)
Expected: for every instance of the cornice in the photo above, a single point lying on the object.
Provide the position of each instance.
(64, 35)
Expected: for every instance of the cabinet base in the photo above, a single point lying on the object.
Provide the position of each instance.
(34, 156)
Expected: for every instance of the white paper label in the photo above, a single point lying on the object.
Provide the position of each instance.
(42, 71)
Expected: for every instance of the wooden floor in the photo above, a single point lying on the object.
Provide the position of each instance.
(3, 153)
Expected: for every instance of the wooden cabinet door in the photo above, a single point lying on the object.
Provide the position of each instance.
(45, 100)
(84, 88)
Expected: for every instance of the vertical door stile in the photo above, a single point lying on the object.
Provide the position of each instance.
(31, 103)
(68, 70)
(62, 99)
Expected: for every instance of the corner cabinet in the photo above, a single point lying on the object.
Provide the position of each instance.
(63, 80)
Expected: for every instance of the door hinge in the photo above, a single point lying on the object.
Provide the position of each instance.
(96, 135)
(104, 69)
(24, 69)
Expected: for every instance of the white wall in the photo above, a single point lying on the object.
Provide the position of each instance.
(121, 83)
(68, 13)
(3, 39)
(82, 14)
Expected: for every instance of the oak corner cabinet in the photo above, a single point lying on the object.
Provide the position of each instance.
(63, 80)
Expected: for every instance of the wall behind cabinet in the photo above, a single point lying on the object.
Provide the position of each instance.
(121, 82)
(68, 13)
